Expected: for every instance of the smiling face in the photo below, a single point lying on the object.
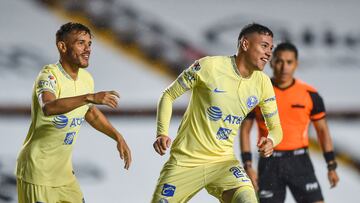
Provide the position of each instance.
(78, 49)
(258, 48)
(284, 64)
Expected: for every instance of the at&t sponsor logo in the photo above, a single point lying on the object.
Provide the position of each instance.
(214, 114)
(61, 121)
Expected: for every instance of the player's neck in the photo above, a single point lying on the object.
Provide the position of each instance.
(244, 69)
(70, 69)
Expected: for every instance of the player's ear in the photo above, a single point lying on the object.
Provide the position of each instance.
(244, 44)
(61, 46)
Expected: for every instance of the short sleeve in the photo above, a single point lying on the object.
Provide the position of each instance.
(46, 81)
(318, 110)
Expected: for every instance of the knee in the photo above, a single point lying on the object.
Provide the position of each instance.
(244, 194)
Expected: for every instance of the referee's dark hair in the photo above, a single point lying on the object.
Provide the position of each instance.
(286, 46)
(254, 28)
(70, 27)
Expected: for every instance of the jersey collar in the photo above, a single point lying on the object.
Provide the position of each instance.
(233, 62)
(234, 65)
(58, 64)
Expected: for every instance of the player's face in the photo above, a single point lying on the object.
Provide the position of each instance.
(284, 64)
(78, 50)
(259, 50)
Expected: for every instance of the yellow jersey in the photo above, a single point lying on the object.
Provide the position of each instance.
(45, 157)
(220, 100)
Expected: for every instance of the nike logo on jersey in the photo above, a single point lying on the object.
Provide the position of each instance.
(216, 90)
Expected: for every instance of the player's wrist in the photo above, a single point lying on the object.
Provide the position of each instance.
(329, 156)
(89, 98)
(330, 160)
(119, 137)
(246, 158)
(161, 135)
(271, 140)
(331, 166)
(247, 165)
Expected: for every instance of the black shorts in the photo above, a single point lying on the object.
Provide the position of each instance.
(294, 171)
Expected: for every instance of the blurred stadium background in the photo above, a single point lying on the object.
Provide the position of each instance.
(139, 48)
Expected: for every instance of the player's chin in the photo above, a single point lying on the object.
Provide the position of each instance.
(84, 64)
(260, 67)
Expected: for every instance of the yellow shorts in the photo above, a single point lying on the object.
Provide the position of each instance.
(178, 183)
(31, 193)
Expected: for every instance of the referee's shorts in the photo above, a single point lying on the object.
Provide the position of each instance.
(288, 168)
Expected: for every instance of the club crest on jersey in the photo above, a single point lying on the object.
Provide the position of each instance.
(168, 190)
(60, 121)
(214, 113)
(69, 138)
(251, 102)
(223, 133)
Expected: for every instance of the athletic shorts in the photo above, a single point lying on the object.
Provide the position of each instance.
(178, 184)
(291, 170)
(31, 193)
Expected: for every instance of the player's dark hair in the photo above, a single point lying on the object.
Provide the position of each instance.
(286, 46)
(70, 27)
(254, 28)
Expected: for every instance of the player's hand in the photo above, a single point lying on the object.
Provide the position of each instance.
(125, 153)
(109, 98)
(333, 178)
(162, 143)
(265, 146)
(253, 177)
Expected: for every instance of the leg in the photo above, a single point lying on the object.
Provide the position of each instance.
(244, 194)
(178, 184)
(228, 182)
(70, 193)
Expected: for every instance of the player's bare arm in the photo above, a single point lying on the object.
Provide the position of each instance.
(98, 121)
(52, 106)
(245, 147)
(323, 134)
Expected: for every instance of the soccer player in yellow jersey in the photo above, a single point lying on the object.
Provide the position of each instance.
(63, 99)
(224, 90)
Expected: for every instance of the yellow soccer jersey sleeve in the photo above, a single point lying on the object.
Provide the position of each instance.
(270, 113)
(186, 81)
(45, 158)
(220, 100)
